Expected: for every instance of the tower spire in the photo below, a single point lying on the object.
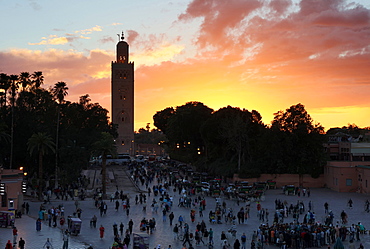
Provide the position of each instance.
(122, 37)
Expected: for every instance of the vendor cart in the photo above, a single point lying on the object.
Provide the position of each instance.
(141, 241)
(7, 218)
(74, 225)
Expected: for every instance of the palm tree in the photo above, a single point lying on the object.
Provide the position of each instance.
(85, 100)
(4, 85)
(13, 91)
(25, 80)
(105, 146)
(37, 79)
(59, 91)
(42, 143)
(13, 87)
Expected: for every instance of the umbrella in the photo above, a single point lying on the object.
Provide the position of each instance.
(338, 244)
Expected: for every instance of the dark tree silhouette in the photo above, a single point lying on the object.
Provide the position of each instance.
(42, 144)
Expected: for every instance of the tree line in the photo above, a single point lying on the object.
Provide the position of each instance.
(233, 140)
(49, 137)
(52, 138)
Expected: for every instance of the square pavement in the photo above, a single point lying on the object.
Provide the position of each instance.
(163, 232)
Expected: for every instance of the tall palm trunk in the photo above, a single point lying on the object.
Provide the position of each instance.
(12, 138)
(41, 178)
(13, 88)
(104, 176)
(56, 150)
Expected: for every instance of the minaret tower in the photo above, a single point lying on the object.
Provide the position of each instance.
(122, 92)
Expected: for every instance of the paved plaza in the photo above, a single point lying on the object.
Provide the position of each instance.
(163, 233)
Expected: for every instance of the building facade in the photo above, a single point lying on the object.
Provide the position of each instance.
(11, 195)
(122, 94)
(348, 169)
(148, 149)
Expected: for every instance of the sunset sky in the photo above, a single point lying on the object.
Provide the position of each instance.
(252, 54)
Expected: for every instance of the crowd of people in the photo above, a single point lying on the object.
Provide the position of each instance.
(164, 190)
(305, 231)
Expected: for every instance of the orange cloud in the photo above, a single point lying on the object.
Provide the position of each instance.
(58, 65)
(51, 40)
(164, 52)
(153, 49)
(56, 40)
(90, 30)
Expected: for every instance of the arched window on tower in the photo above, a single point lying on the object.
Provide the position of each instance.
(123, 142)
(123, 119)
(122, 58)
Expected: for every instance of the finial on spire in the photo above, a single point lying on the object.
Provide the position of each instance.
(122, 37)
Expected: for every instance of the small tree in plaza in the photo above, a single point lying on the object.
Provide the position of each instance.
(41, 143)
(103, 147)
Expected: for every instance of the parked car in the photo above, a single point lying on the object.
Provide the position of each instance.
(139, 159)
(123, 158)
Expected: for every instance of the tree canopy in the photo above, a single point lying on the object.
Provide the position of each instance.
(232, 140)
(34, 109)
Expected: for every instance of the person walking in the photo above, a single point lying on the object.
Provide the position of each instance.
(105, 208)
(38, 225)
(77, 204)
(115, 229)
(21, 243)
(79, 211)
(171, 216)
(175, 232)
(350, 203)
(101, 231)
(181, 220)
(65, 239)
(117, 205)
(326, 206)
(237, 244)
(27, 208)
(243, 240)
(130, 225)
(101, 209)
(210, 236)
(121, 226)
(253, 245)
(15, 235)
(93, 221)
(48, 244)
(9, 245)
(62, 211)
(164, 214)
(186, 239)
